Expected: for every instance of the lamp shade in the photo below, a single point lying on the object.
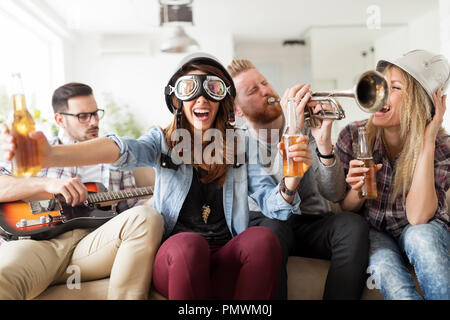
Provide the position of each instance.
(179, 42)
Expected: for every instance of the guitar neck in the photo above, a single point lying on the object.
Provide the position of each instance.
(109, 196)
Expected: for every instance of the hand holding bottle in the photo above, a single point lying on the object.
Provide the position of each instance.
(355, 176)
(9, 144)
(299, 156)
(362, 172)
(26, 160)
(294, 145)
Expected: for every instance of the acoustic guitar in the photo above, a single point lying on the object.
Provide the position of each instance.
(41, 220)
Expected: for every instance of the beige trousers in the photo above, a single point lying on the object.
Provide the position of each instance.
(124, 248)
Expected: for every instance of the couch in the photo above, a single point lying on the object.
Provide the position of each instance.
(306, 276)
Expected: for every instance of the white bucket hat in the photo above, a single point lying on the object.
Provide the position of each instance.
(431, 70)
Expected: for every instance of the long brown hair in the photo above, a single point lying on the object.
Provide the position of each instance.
(415, 112)
(216, 171)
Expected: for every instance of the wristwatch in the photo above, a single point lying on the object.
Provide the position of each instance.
(325, 156)
(285, 190)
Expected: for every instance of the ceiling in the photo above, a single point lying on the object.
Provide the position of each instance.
(249, 20)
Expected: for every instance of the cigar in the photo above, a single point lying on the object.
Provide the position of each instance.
(272, 100)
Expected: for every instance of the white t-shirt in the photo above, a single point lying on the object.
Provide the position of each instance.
(90, 173)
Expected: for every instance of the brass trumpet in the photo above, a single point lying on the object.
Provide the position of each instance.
(370, 92)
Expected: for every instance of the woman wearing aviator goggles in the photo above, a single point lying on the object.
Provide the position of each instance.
(185, 87)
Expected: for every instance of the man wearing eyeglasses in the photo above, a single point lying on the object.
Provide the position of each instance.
(78, 117)
(123, 248)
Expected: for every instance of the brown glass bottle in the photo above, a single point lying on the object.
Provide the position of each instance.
(291, 168)
(26, 159)
(369, 189)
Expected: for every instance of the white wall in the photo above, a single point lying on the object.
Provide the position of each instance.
(392, 45)
(284, 66)
(34, 50)
(134, 79)
(421, 33)
(444, 11)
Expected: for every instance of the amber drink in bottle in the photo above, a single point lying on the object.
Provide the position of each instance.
(291, 168)
(369, 189)
(26, 159)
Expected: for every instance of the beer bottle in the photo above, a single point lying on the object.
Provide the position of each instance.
(26, 159)
(369, 189)
(291, 168)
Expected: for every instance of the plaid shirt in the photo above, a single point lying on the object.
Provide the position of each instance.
(112, 179)
(385, 213)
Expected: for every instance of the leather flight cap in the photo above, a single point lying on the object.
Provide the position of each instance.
(200, 57)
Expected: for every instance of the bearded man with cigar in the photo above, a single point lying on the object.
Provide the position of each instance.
(317, 232)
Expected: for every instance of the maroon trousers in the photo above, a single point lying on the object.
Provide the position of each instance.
(247, 267)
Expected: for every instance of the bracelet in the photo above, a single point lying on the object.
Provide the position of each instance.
(285, 190)
(325, 156)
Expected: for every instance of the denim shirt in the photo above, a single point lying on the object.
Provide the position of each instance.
(172, 185)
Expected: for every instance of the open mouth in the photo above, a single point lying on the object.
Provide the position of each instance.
(385, 109)
(201, 115)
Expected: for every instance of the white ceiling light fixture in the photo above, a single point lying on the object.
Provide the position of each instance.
(174, 14)
(179, 42)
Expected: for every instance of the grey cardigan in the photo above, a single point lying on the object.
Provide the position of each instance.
(319, 184)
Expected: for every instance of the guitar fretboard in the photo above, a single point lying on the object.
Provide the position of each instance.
(119, 195)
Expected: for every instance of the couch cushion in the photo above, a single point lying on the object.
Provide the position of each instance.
(307, 276)
(89, 290)
(306, 280)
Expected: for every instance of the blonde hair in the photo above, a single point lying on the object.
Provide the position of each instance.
(415, 112)
(238, 66)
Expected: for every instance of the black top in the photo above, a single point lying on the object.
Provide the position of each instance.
(201, 199)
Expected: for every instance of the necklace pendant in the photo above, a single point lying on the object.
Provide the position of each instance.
(206, 210)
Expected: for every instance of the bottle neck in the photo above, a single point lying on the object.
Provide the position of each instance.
(364, 151)
(291, 118)
(19, 102)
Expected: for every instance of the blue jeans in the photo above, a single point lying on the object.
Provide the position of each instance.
(426, 246)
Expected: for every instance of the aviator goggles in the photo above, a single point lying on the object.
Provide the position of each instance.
(190, 87)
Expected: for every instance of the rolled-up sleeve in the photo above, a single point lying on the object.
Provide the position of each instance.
(142, 152)
(266, 193)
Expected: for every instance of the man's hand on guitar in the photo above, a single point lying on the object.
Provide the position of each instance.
(72, 189)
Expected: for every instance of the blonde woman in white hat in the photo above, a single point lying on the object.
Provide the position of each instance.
(409, 219)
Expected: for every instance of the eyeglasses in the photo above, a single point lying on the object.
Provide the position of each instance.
(85, 117)
(192, 86)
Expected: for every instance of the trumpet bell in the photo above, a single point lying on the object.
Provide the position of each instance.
(372, 91)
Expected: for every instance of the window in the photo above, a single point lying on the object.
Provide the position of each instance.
(27, 50)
